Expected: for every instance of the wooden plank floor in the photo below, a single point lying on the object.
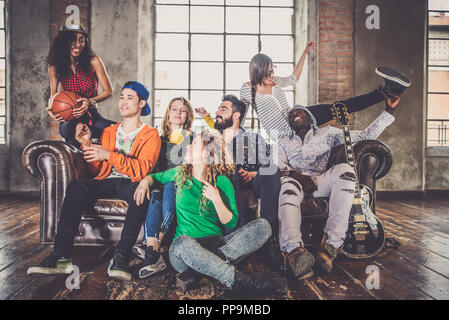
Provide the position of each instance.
(419, 269)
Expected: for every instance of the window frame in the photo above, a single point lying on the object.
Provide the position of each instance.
(224, 62)
(5, 86)
(443, 147)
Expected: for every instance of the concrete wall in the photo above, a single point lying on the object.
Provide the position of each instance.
(122, 38)
(29, 31)
(399, 43)
(437, 169)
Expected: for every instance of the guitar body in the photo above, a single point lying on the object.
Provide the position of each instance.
(365, 237)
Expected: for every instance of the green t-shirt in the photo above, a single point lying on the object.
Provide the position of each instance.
(191, 221)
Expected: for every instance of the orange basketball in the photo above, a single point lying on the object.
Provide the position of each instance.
(63, 104)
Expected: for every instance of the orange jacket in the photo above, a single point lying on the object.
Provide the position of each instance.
(141, 160)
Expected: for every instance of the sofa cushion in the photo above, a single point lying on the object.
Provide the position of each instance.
(111, 207)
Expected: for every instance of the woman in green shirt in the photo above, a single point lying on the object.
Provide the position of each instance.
(205, 206)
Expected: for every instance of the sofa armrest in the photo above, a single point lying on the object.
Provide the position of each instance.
(370, 155)
(373, 161)
(56, 163)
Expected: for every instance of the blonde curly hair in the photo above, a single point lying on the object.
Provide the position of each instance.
(218, 162)
(166, 124)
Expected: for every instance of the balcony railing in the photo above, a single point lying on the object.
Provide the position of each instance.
(438, 132)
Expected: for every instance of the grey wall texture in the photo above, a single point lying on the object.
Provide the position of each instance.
(29, 31)
(122, 38)
(398, 43)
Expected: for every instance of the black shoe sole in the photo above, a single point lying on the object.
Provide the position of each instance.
(393, 75)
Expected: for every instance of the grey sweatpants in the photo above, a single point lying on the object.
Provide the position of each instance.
(338, 183)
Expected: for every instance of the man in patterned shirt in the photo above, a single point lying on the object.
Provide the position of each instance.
(303, 159)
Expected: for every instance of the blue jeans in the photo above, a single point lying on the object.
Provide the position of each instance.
(99, 123)
(186, 252)
(161, 210)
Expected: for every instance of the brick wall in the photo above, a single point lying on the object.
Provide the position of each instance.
(335, 50)
(58, 15)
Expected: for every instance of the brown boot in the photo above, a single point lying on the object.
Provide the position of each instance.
(300, 262)
(326, 255)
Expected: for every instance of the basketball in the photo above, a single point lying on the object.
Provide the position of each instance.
(63, 104)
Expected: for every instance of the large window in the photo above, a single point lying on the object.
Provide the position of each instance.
(203, 47)
(2, 74)
(438, 73)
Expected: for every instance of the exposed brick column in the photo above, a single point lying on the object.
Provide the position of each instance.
(58, 15)
(335, 50)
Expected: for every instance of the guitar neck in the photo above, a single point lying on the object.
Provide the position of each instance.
(350, 158)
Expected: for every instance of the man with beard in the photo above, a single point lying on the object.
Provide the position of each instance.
(254, 170)
(303, 159)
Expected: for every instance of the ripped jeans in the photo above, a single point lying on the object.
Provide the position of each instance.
(212, 256)
(338, 183)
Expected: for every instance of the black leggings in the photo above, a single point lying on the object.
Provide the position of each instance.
(99, 123)
(323, 113)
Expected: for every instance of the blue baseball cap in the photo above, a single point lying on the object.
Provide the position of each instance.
(142, 92)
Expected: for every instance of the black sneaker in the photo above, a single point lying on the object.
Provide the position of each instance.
(188, 280)
(139, 252)
(395, 83)
(153, 263)
(52, 264)
(119, 267)
(266, 285)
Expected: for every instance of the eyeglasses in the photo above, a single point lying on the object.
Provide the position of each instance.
(272, 71)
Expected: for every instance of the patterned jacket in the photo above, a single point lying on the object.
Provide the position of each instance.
(311, 157)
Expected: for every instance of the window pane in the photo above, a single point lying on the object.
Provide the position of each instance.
(209, 2)
(242, 2)
(172, 18)
(242, 20)
(236, 75)
(438, 106)
(439, 80)
(283, 69)
(290, 98)
(277, 21)
(438, 5)
(2, 14)
(2, 73)
(172, 75)
(207, 75)
(163, 97)
(2, 102)
(172, 1)
(2, 43)
(241, 48)
(439, 52)
(280, 3)
(207, 19)
(207, 48)
(210, 100)
(279, 48)
(172, 46)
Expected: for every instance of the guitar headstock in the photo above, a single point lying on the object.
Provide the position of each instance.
(340, 112)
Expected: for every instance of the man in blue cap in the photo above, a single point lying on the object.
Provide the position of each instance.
(127, 153)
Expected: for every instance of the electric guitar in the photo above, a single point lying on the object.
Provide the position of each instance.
(365, 237)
